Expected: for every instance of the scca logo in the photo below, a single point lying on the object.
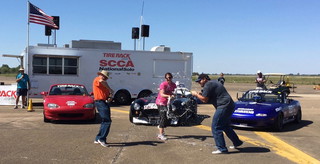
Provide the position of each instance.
(8, 94)
(114, 63)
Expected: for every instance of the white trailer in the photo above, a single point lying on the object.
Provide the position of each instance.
(133, 74)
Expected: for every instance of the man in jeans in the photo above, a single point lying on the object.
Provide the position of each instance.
(215, 93)
(101, 93)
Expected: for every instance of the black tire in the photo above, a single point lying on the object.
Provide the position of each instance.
(95, 117)
(195, 110)
(278, 123)
(130, 116)
(182, 121)
(298, 117)
(186, 119)
(45, 119)
(122, 98)
(144, 93)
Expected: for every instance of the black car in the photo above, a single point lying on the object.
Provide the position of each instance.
(182, 109)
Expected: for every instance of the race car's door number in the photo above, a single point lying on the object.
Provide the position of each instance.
(150, 106)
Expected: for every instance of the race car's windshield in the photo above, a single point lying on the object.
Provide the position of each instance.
(258, 96)
(68, 89)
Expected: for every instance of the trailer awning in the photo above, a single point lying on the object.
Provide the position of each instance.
(12, 56)
(15, 56)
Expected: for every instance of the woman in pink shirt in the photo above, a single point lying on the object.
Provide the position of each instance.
(166, 91)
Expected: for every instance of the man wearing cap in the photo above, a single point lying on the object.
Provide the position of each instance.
(260, 80)
(23, 85)
(102, 93)
(221, 79)
(215, 93)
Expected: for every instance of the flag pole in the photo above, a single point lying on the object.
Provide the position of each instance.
(26, 57)
(27, 49)
(141, 22)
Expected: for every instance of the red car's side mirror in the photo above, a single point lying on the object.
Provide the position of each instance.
(44, 93)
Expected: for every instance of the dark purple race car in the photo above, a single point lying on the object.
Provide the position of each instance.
(265, 108)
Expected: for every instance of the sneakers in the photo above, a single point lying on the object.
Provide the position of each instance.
(159, 128)
(219, 152)
(102, 143)
(234, 146)
(16, 107)
(162, 137)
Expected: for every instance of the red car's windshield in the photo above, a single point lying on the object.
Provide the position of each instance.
(68, 89)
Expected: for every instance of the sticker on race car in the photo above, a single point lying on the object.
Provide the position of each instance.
(71, 103)
(150, 106)
(70, 85)
(260, 91)
(244, 110)
(278, 109)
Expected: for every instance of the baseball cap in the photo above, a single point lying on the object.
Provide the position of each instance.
(202, 76)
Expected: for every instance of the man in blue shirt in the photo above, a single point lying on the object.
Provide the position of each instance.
(23, 84)
(214, 93)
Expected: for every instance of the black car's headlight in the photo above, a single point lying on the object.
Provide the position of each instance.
(52, 106)
(173, 107)
(89, 106)
(136, 106)
(176, 105)
(183, 103)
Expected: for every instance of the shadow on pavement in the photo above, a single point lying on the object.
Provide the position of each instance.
(124, 144)
(286, 128)
(251, 150)
(294, 126)
(201, 138)
(242, 149)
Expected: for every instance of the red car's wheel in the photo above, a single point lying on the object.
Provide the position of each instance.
(45, 119)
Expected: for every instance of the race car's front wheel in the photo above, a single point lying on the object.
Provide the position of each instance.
(130, 116)
(45, 119)
(298, 117)
(278, 123)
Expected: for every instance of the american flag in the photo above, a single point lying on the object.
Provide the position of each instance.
(38, 16)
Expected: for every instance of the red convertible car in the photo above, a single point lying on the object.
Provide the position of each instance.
(68, 102)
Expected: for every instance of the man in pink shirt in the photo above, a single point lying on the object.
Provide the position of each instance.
(166, 91)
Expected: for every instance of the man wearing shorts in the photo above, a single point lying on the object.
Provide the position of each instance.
(23, 85)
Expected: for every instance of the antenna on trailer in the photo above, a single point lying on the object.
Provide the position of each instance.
(143, 30)
(141, 22)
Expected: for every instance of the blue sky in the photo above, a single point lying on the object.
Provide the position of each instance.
(230, 36)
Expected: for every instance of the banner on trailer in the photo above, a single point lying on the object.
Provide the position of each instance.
(8, 94)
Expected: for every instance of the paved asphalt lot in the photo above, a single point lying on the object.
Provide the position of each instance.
(25, 138)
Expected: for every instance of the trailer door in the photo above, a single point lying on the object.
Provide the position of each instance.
(176, 67)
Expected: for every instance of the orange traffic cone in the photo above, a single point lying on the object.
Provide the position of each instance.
(30, 107)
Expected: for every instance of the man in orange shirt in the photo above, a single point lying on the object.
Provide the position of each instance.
(102, 93)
